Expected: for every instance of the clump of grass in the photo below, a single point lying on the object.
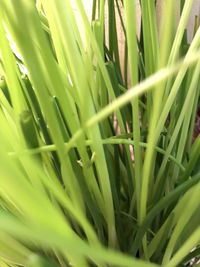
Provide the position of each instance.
(95, 171)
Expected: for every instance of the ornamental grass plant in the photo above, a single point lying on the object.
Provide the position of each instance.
(99, 165)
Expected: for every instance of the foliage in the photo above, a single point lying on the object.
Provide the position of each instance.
(93, 173)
